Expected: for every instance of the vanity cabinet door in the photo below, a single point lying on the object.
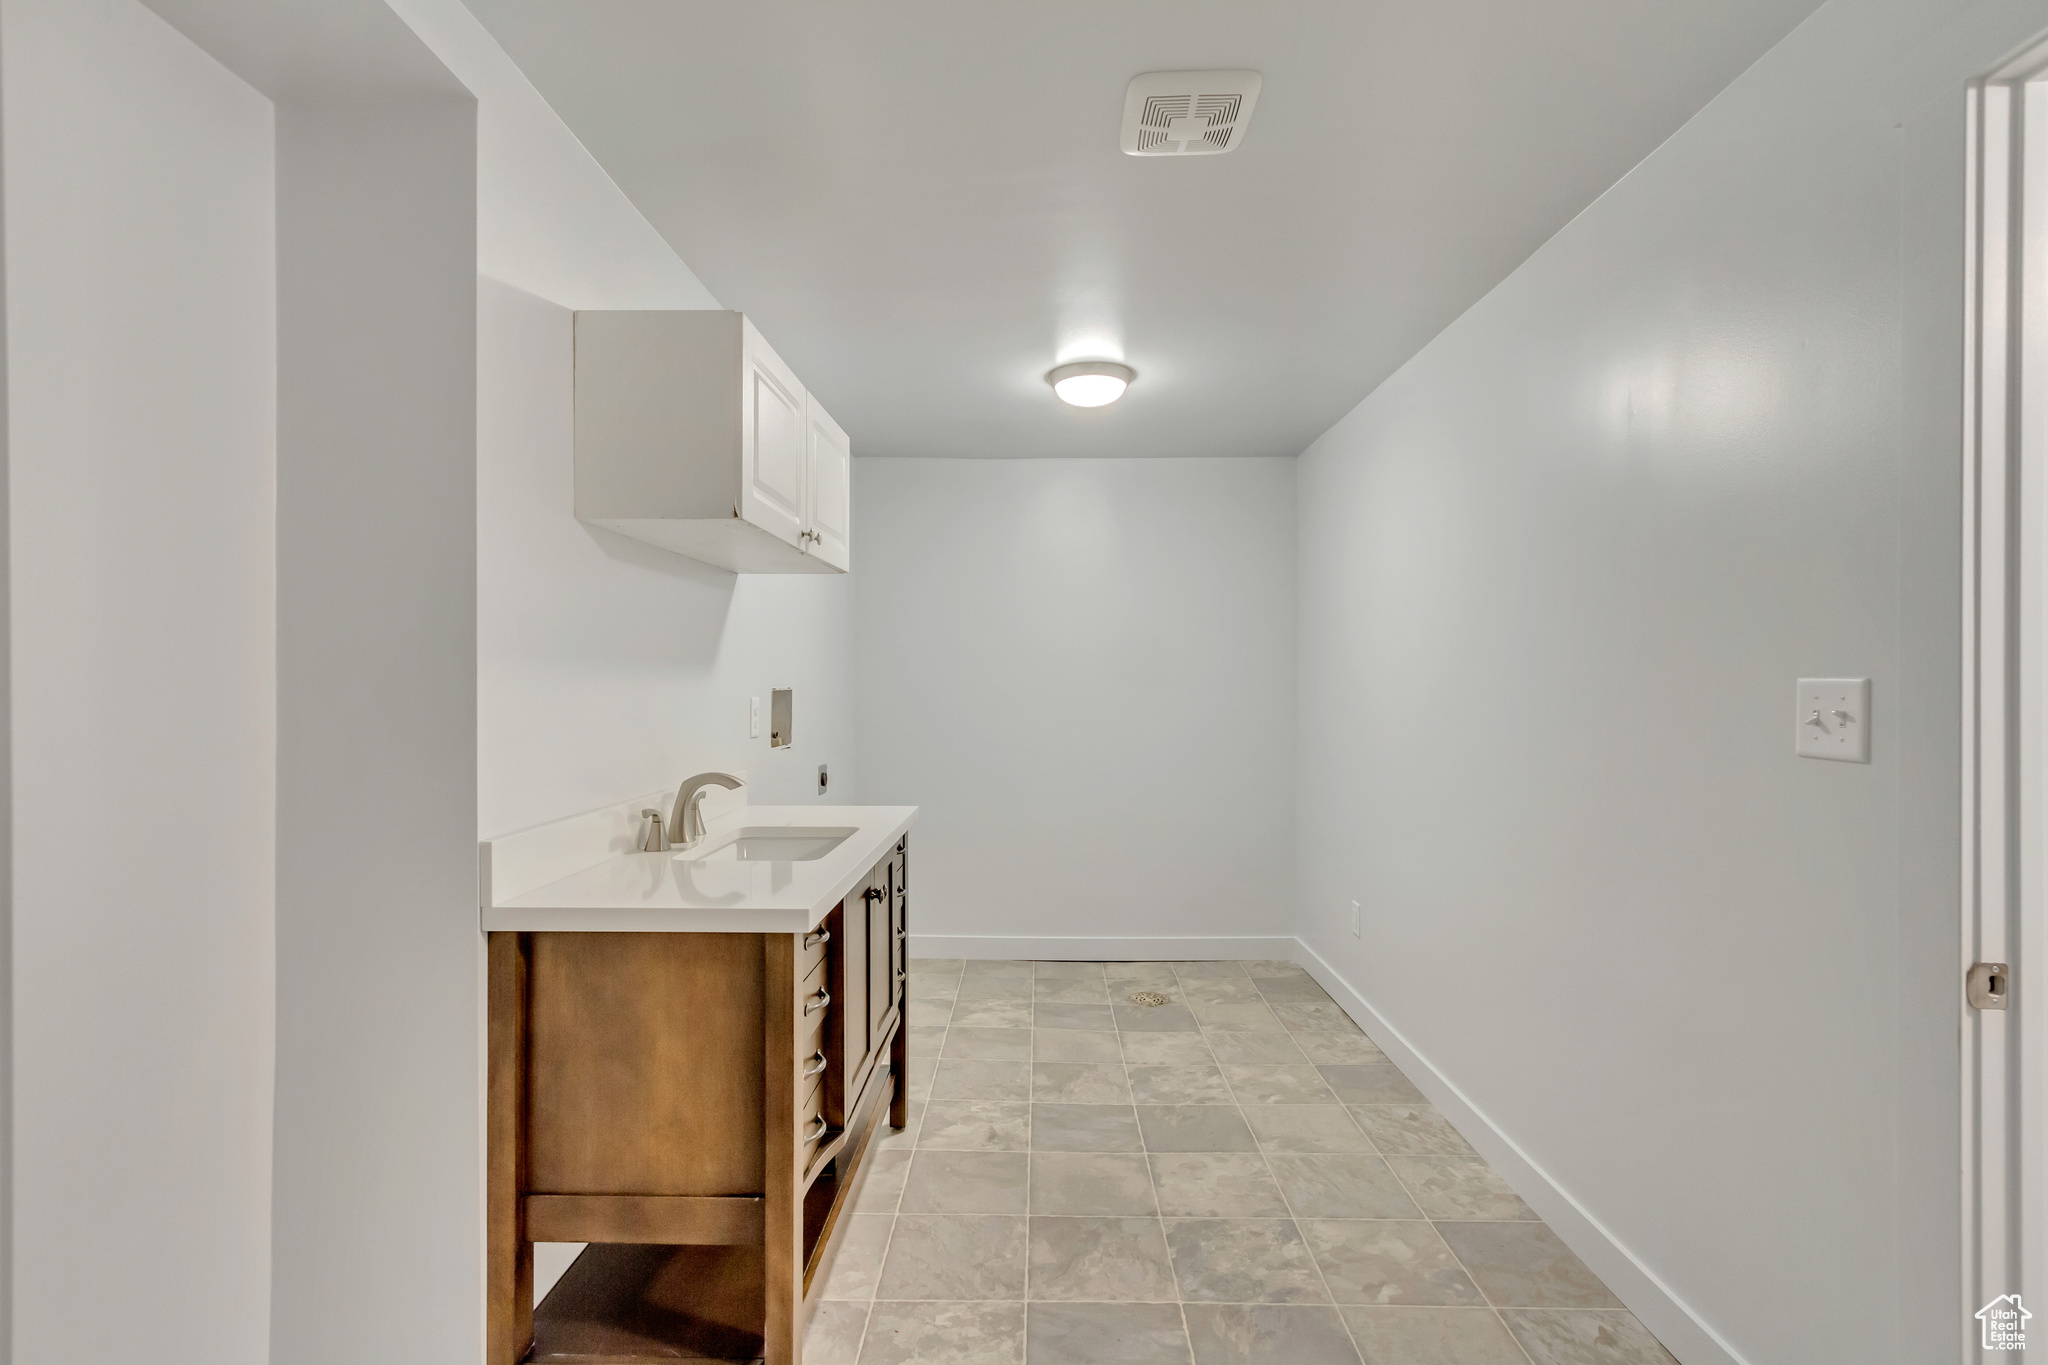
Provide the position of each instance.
(881, 954)
(846, 1033)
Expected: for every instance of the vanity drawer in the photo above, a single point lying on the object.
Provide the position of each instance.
(810, 950)
(810, 1046)
(814, 998)
(810, 1122)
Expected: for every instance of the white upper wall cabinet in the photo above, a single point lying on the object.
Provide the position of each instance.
(691, 434)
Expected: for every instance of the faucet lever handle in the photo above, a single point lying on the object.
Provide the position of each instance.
(653, 832)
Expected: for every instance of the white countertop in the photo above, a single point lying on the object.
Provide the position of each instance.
(584, 875)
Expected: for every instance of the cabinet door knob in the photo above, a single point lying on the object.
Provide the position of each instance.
(873, 893)
(811, 1134)
(817, 1002)
(815, 1065)
(813, 940)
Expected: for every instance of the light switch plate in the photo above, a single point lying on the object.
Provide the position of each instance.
(1834, 719)
(753, 717)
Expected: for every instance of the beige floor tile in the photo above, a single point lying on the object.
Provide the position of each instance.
(1268, 1334)
(1120, 992)
(1154, 1019)
(1581, 1337)
(927, 1039)
(1070, 990)
(966, 1182)
(882, 1187)
(1195, 1128)
(937, 966)
(1094, 1018)
(951, 1257)
(1341, 1185)
(1303, 1016)
(1075, 1045)
(1085, 971)
(1186, 1084)
(1431, 1336)
(1416, 1129)
(1190, 971)
(1165, 1048)
(1371, 1083)
(1459, 1188)
(920, 1070)
(932, 988)
(1106, 1334)
(1271, 968)
(1277, 1085)
(1010, 1014)
(891, 1139)
(858, 1262)
(1388, 1263)
(1221, 990)
(1098, 1259)
(988, 1044)
(1216, 1185)
(1084, 1128)
(833, 1336)
(1091, 1184)
(1255, 1049)
(976, 1126)
(1306, 1128)
(930, 1013)
(1079, 1083)
(1526, 1265)
(943, 1334)
(1140, 971)
(994, 990)
(995, 967)
(1243, 1260)
(1292, 989)
(978, 1080)
(1255, 1017)
(1338, 1049)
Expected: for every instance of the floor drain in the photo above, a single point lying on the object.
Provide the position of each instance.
(1148, 998)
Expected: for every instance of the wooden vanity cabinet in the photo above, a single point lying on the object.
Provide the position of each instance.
(700, 1108)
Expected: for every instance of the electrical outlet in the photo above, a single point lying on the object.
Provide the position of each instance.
(1357, 920)
(753, 717)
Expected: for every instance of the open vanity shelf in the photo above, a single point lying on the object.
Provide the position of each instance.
(698, 1107)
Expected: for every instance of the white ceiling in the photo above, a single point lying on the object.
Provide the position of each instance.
(922, 203)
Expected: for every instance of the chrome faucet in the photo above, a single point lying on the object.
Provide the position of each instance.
(686, 826)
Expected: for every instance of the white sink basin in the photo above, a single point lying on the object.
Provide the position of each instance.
(770, 844)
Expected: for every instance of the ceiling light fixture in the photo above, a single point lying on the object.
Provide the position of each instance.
(1090, 383)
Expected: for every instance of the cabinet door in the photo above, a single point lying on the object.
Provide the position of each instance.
(772, 435)
(830, 518)
(846, 1034)
(881, 957)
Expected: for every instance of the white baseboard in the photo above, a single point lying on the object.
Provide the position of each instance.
(1649, 1298)
(1280, 948)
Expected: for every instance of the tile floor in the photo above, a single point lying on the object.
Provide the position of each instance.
(1235, 1177)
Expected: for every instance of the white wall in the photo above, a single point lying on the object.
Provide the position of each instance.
(1557, 578)
(141, 316)
(1082, 671)
(379, 1151)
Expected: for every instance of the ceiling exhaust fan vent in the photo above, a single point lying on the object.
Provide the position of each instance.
(1188, 113)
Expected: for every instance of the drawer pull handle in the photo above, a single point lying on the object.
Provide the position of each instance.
(810, 1136)
(815, 1065)
(902, 934)
(817, 1002)
(813, 940)
(900, 973)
